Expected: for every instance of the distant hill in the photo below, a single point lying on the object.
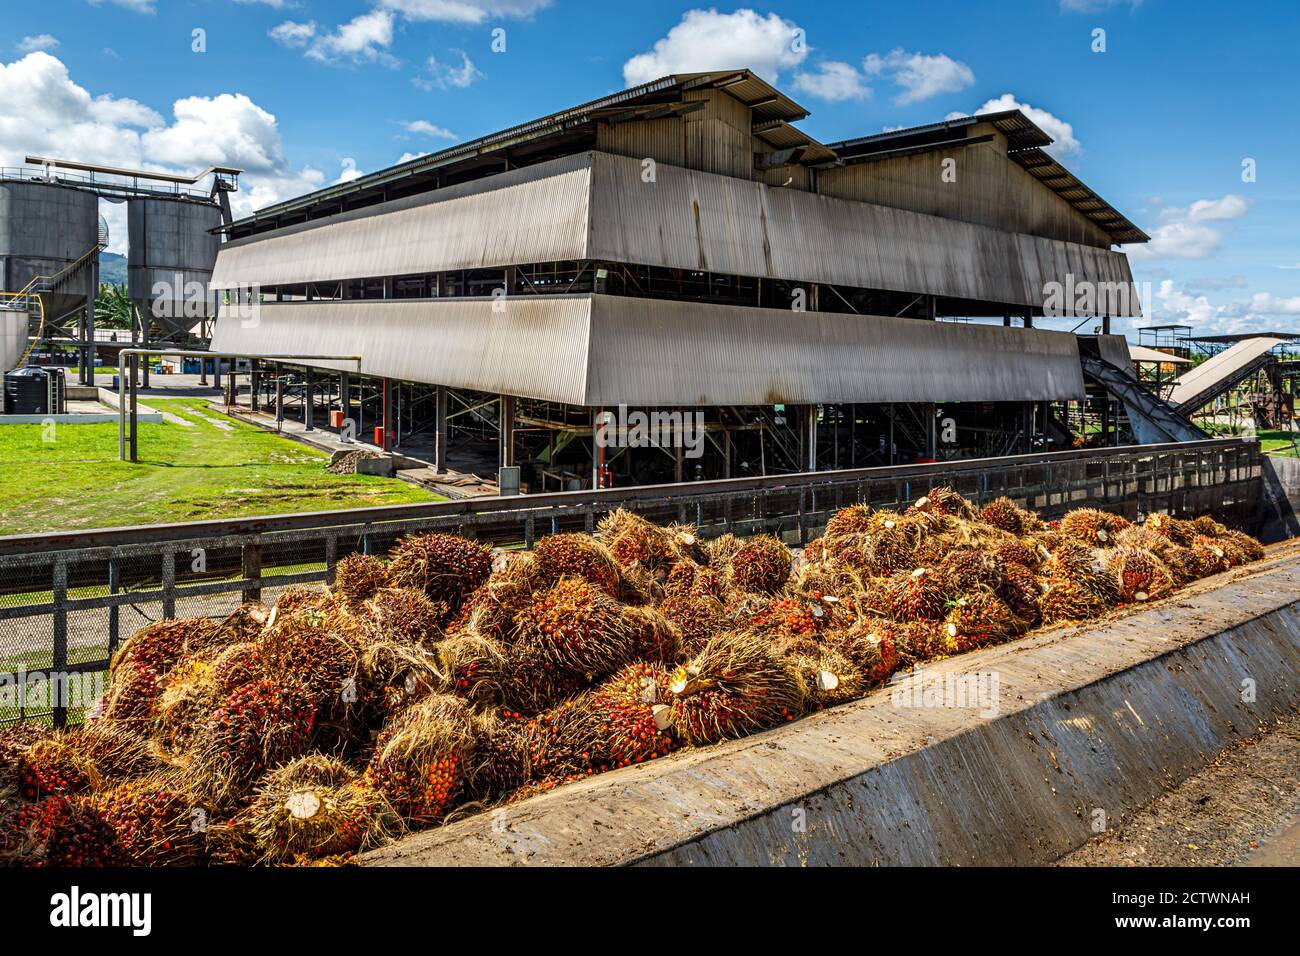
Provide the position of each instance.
(112, 268)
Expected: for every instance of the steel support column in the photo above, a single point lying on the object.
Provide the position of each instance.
(440, 429)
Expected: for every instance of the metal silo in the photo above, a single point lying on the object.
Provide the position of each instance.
(169, 265)
(44, 230)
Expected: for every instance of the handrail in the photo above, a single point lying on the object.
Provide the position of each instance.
(40, 329)
(572, 500)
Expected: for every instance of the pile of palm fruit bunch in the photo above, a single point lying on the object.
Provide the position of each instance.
(442, 679)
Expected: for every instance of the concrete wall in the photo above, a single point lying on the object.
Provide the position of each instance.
(1279, 499)
(1103, 718)
(13, 337)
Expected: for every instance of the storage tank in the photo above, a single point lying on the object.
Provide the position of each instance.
(32, 390)
(43, 229)
(171, 242)
(13, 337)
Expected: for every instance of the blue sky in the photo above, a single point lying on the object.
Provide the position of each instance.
(303, 92)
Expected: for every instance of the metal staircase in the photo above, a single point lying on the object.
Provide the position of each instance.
(1153, 421)
(43, 289)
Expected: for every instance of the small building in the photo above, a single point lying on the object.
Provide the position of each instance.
(682, 254)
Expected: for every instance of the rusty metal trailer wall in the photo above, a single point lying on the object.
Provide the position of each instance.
(68, 600)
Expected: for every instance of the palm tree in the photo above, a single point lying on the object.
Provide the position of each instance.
(113, 308)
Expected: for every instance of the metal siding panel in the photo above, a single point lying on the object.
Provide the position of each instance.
(648, 352)
(693, 220)
(533, 215)
(534, 347)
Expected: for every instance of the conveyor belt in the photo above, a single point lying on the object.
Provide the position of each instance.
(1153, 421)
(1209, 380)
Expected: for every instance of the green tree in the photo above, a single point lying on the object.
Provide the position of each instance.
(112, 307)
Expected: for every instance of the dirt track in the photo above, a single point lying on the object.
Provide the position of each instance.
(1240, 810)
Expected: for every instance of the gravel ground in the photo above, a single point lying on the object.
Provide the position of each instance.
(1240, 810)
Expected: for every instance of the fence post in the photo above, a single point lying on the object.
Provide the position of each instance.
(114, 612)
(252, 568)
(331, 557)
(169, 583)
(59, 652)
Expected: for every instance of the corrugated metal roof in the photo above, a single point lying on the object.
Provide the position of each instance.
(1140, 353)
(606, 350)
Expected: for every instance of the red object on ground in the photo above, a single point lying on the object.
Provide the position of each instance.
(336, 418)
(379, 435)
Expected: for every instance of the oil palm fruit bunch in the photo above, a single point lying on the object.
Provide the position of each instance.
(576, 555)
(1210, 555)
(653, 637)
(1139, 575)
(358, 577)
(1066, 600)
(138, 668)
(474, 668)
(14, 741)
(622, 722)
(490, 610)
(1019, 589)
(244, 623)
(317, 807)
(1019, 551)
(969, 569)
(632, 540)
(155, 822)
(922, 594)
(696, 618)
(1249, 547)
(257, 725)
(116, 752)
(855, 519)
(502, 758)
(1208, 526)
(923, 641)
(237, 665)
(422, 756)
(58, 831)
(735, 686)
(681, 578)
(404, 616)
(297, 598)
(54, 766)
(1095, 528)
(873, 646)
(189, 694)
(1178, 531)
(829, 676)
(799, 617)
(444, 566)
(945, 502)
(1005, 514)
(762, 565)
(980, 619)
(316, 656)
(1071, 558)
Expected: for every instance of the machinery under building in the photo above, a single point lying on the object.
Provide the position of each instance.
(682, 249)
(51, 236)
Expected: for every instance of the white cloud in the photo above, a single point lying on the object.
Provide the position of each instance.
(293, 34)
(43, 112)
(425, 128)
(1296, 266)
(1269, 304)
(1188, 309)
(464, 11)
(707, 40)
(448, 76)
(1185, 233)
(139, 6)
(42, 41)
(407, 157)
(1062, 132)
(832, 81)
(350, 171)
(920, 75)
(273, 4)
(363, 39)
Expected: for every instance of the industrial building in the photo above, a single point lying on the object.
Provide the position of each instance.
(682, 248)
(51, 236)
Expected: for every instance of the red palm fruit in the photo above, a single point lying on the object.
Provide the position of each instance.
(301, 597)
(1249, 547)
(54, 766)
(696, 618)
(1139, 575)
(1095, 528)
(923, 641)
(709, 582)
(490, 611)
(761, 566)
(576, 555)
(799, 617)
(681, 578)
(873, 645)
(855, 519)
(358, 577)
(155, 823)
(634, 541)
(189, 694)
(403, 616)
(735, 686)
(57, 831)
(446, 567)
(502, 755)
(1019, 552)
(1019, 589)
(1208, 526)
(922, 594)
(654, 638)
(980, 620)
(422, 756)
(969, 569)
(474, 668)
(237, 665)
(622, 722)
(1071, 558)
(1210, 555)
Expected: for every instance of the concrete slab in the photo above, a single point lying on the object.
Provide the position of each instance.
(1079, 725)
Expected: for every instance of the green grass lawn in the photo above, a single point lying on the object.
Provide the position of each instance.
(1277, 443)
(184, 474)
